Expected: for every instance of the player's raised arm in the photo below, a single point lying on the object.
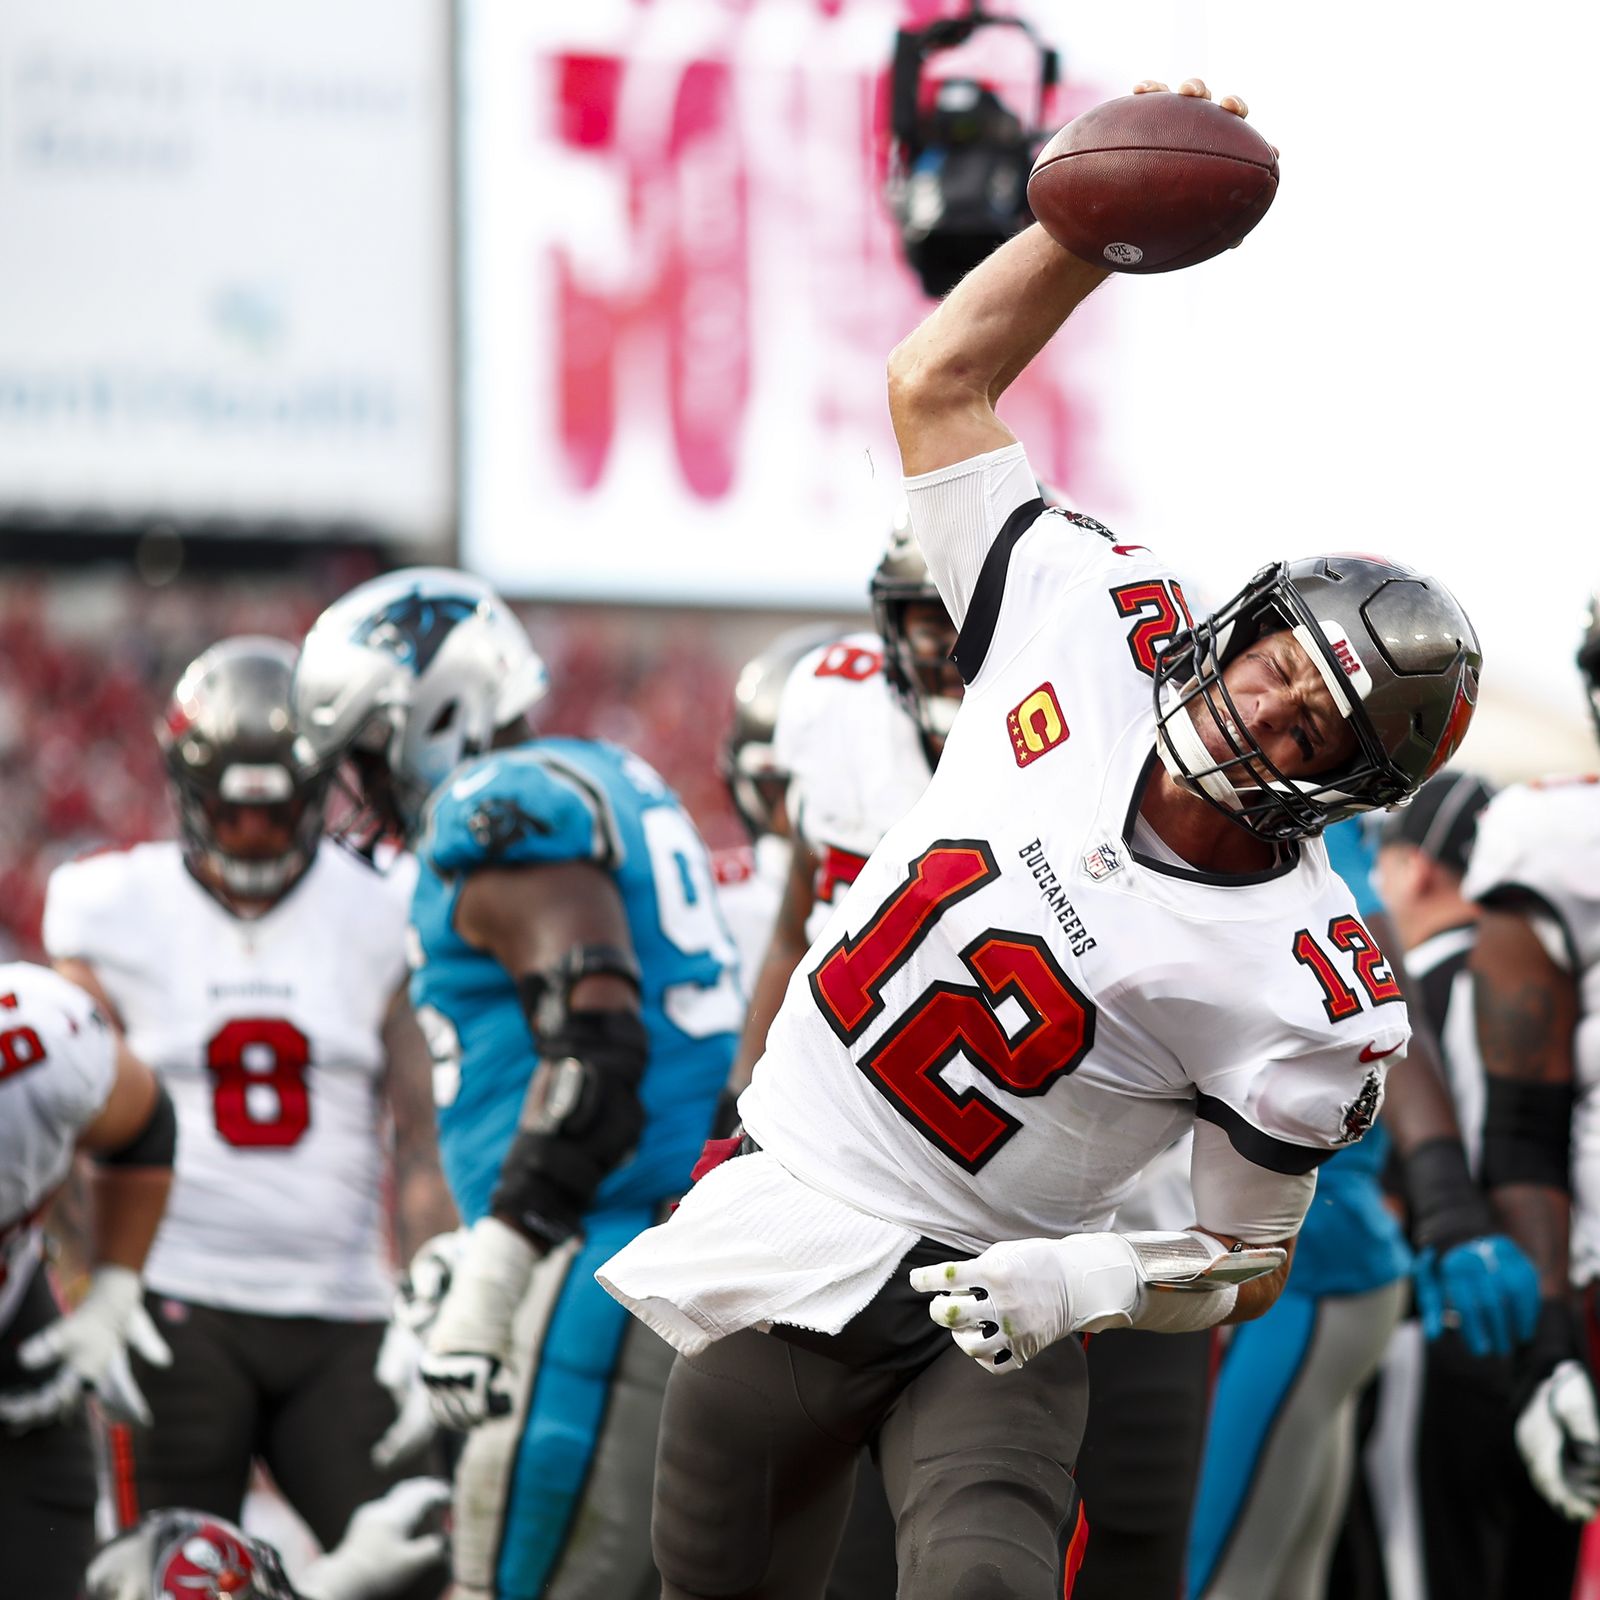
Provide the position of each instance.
(946, 377)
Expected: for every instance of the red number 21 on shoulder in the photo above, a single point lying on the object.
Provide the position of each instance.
(948, 1020)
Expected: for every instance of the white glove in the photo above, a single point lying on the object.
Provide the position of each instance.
(91, 1344)
(471, 1340)
(1558, 1425)
(426, 1281)
(385, 1546)
(1019, 1297)
(417, 1300)
(399, 1370)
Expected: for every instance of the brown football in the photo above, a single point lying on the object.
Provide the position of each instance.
(1153, 182)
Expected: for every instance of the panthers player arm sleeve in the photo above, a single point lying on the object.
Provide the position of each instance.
(561, 931)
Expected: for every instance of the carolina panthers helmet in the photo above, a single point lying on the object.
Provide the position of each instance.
(901, 580)
(749, 764)
(1589, 659)
(405, 677)
(186, 1555)
(1399, 657)
(227, 739)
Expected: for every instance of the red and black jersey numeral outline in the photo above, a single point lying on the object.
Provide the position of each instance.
(1158, 603)
(1373, 972)
(847, 983)
(233, 1080)
(948, 1020)
(855, 663)
(1339, 1000)
(20, 1048)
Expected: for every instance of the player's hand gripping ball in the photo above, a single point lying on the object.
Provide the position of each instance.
(1154, 181)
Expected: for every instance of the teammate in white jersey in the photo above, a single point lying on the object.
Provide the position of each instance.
(258, 969)
(860, 726)
(750, 881)
(67, 1085)
(1535, 872)
(1107, 919)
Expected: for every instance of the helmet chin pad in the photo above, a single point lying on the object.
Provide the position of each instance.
(1188, 762)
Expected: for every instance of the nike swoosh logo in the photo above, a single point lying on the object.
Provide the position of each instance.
(1369, 1054)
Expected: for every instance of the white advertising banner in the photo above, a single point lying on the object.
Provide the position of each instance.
(225, 262)
(681, 286)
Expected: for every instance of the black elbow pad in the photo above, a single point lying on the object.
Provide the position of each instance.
(581, 1119)
(154, 1145)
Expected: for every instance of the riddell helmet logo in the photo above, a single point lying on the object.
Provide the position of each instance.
(1350, 663)
(1036, 725)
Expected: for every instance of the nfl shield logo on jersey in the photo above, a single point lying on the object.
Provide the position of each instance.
(1102, 861)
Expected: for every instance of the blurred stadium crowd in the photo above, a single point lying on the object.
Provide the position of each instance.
(91, 660)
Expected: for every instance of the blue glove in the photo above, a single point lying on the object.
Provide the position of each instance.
(1486, 1289)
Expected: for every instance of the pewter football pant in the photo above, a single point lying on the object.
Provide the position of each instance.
(760, 1435)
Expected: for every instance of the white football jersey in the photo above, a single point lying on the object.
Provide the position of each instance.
(57, 1067)
(749, 891)
(1024, 997)
(854, 757)
(267, 1035)
(1539, 843)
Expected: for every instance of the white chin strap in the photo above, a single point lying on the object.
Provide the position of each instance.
(1180, 746)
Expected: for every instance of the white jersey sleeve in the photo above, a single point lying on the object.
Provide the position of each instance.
(855, 761)
(958, 512)
(1535, 847)
(57, 1068)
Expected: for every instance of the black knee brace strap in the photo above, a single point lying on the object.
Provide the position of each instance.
(1527, 1134)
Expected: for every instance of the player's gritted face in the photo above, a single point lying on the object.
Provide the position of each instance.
(1283, 705)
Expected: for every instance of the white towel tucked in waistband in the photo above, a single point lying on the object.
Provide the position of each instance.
(753, 1244)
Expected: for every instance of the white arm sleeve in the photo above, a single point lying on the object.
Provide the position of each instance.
(956, 513)
(1236, 1198)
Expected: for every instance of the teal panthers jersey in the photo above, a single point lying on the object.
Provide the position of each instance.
(557, 800)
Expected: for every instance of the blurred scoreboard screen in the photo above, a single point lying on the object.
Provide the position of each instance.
(225, 265)
(679, 289)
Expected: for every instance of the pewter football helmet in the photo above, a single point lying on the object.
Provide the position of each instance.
(407, 676)
(749, 763)
(186, 1555)
(1397, 653)
(902, 580)
(228, 742)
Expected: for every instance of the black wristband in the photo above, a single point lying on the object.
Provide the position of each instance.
(1557, 1337)
(1447, 1208)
